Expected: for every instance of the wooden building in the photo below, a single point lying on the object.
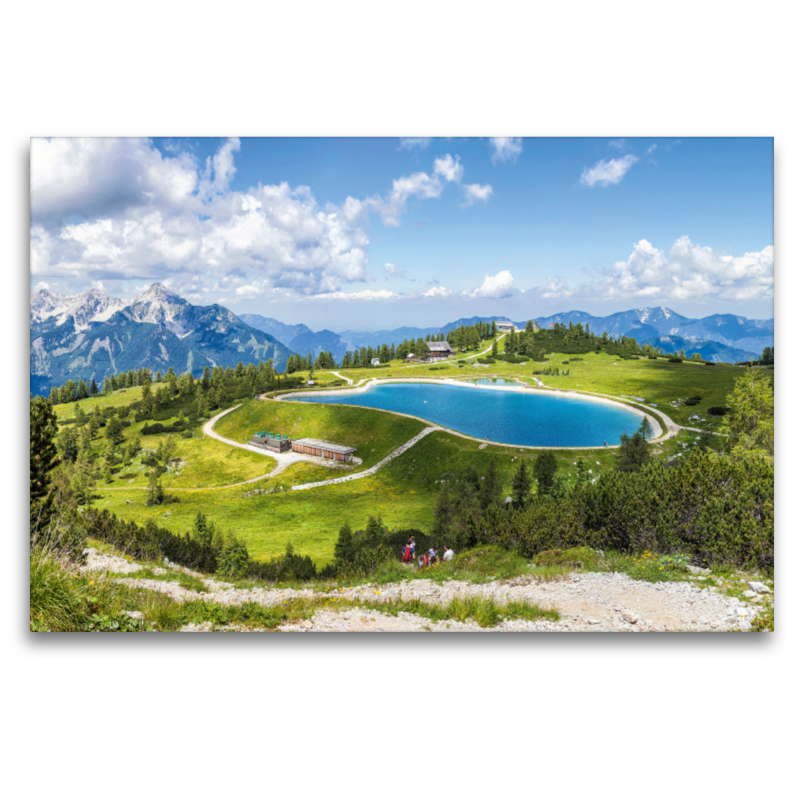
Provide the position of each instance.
(315, 447)
(439, 350)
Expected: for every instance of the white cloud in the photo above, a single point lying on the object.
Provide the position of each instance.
(651, 149)
(449, 168)
(555, 289)
(368, 295)
(84, 178)
(687, 272)
(605, 172)
(410, 142)
(437, 291)
(505, 148)
(420, 184)
(121, 212)
(474, 192)
(392, 271)
(495, 286)
(619, 144)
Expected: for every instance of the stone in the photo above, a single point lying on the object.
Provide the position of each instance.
(134, 614)
(748, 593)
(759, 587)
(630, 617)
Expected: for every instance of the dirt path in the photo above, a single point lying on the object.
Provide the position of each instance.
(594, 601)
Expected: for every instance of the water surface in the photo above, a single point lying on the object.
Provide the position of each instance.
(536, 419)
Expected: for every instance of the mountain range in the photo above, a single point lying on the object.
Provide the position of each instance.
(719, 337)
(90, 335)
(300, 338)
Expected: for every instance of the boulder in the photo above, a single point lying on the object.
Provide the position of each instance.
(749, 594)
(759, 587)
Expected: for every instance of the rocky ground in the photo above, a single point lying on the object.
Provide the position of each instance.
(594, 601)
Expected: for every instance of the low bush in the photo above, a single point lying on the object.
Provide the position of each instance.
(693, 401)
(718, 411)
(675, 360)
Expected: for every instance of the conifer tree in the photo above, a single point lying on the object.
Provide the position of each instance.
(43, 458)
(544, 471)
(521, 487)
(345, 549)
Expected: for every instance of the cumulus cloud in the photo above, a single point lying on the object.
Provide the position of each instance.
(120, 211)
(495, 286)
(651, 149)
(84, 178)
(555, 289)
(618, 144)
(687, 272)
(420, 184)
(474, 192)
(449, 168)
(411, 142)
(437, 291)
(505, 148)
(607, 171)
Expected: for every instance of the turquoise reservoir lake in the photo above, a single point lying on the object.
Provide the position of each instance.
(535, 419)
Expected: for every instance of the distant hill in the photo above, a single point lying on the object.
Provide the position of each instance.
(91, 335)
(300, 338)
(720, 337)
(747, 335)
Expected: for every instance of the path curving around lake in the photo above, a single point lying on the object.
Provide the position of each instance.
(663, 427)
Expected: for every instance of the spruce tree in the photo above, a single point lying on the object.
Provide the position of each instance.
(93, 388)
(521, 487)
(544, 471)
(345, 549)
(114, 430)
(43, 458)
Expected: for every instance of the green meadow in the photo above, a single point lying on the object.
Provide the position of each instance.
(267, 514)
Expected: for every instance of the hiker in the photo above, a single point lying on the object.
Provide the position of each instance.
(448, 553)
(413, 544)
(433, 555)
(408, 552)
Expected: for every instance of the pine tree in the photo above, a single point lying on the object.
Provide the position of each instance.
(43, 458)
(544, 471)
(345, 549)
(93, 389)
(521, 487)
(114, 430)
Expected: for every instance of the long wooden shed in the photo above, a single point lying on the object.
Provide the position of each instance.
(315, 447)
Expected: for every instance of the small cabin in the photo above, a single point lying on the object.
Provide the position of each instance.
(315, 447)
(375, 362)
(411, 357)
(271, 441)
(309, 384)
(439, 350)
(506, 327)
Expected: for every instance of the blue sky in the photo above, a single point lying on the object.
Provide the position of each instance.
(370, 233)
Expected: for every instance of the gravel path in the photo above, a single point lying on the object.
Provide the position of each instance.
(599, 601)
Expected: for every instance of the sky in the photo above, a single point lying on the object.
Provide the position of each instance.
(370, 233)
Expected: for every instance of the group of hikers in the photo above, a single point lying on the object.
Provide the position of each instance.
(427, 558)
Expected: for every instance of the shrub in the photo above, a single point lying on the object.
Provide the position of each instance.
(675, 360)
(653, 358)
(718, 411)
(710, 364)
(693, 401)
